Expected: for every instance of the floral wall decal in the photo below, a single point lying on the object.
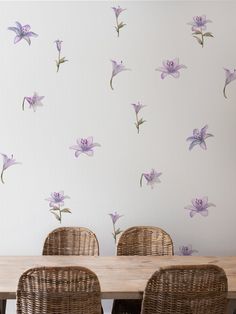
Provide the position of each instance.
(60, 60)
(186, 250)
(56, 201)
(119, 25)
(116, 231)
(137, 108)
(22, 32)
(198, 26)
(152, 178)
(200, 206)
(7, 162)
(84, 146)
(171, 67)
(116, 68)
(230, 76)
(199, 137)
(34, 101)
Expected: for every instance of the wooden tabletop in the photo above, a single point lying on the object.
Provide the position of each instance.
(121, 277)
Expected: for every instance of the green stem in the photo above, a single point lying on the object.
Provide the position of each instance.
(224, 91)
(117, 27)
(111, 83)
(137, 125)
(60, 215)
(2, 177)
(58, 63)
(202, 39)
(23, 104)
(141, 179)
(114, 234)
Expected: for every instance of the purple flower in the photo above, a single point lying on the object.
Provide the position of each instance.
(119, 25)
(137, 108)
(56, 201)
(34, 101)
(84, 145)
(171, 67)
(60, 60)
(58, 43)
(22, 32)
(199, 205)
(199, 138)
(230, 76)
(199, 23)
(198, 26)
(114, 217)
(7, 162)
(116, 68)
(186, 250)
(152, 178)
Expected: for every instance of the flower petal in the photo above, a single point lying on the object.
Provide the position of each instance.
(204, 212)
(163, 75)
(88, 152)
(17, 39)
(77, 153)
(193, 213)
(203, 145)
(27, 39)
(175, 74)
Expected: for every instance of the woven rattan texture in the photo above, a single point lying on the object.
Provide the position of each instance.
(191, 289)
(58, 290)
(71, 241)
(141, 240)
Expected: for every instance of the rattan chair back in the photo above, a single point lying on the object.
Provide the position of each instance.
(71, 241)
(59, 290)
(144, 240)
(189, 289)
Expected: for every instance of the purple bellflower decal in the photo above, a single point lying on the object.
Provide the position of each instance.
(56, 202)
(198, 26)
(199, 137)
(114, 217)
(60, 60)
(7, 162)
(119, 25)
(84, 146)
(230, 76)
(199, 205)
(171, 67)
(116, 68)
(152, 178)
(186, 250)
(22, 32)
(34, 101)
(139, 121)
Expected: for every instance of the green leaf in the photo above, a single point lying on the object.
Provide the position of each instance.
(62, 60)
(65, 210)
(197, 33)
(198, 39)
(141, 121)
(208, 34)
(121, 24)
(118, 231)
(56, 215)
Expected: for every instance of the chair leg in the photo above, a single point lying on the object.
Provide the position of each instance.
(3, 306)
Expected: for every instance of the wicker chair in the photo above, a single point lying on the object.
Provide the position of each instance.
(190, 289)
(142, 241)
(71, 241)
(59, 290)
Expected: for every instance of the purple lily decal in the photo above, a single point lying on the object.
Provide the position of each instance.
(139, 121)
(200, 206)
(7, 162)
(171, 67)
(151, 178)
(56, 201)
(60, 60)
(230, 76)
(84, 146)
(22, 32)
(116, 68)
(119, 25)
(198, 26)
(34, 101)
(114, 217)
(186, 250)
(199, 137)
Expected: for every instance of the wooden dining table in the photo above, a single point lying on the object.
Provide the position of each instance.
(121, 277)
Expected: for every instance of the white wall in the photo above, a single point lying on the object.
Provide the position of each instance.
(79, 103)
